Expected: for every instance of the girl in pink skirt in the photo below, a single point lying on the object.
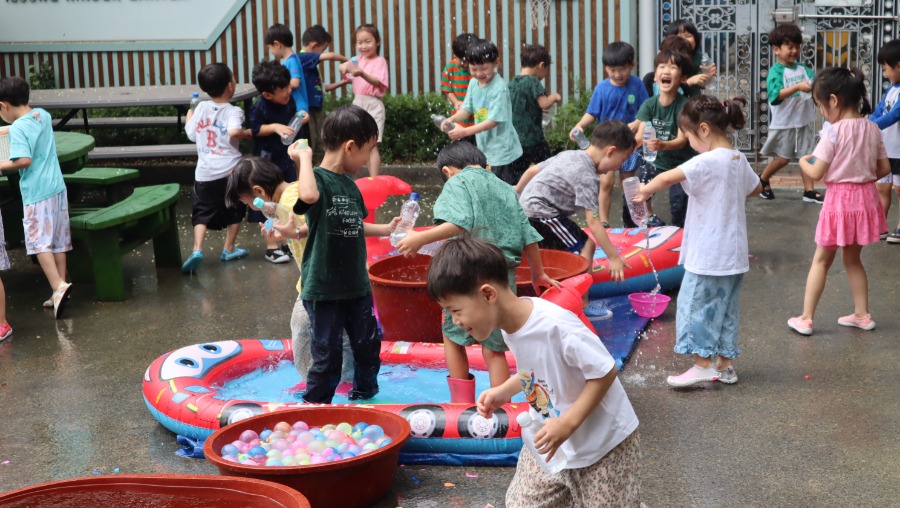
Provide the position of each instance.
(851, 157)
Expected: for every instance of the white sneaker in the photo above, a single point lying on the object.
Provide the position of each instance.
(728, 376)
(60, 296)
(48, 304)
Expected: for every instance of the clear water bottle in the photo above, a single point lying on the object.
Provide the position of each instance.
(439, 121)
(352, 65)
(295, 124)
(272, 211)
(547, 117)
(430, 249)
(530, 428)
(706, 61)
(408, 215)
(580, 139)
(638, 211)
(195, 100)
(649, 133)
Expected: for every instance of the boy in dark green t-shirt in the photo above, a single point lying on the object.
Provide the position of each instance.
(529, 100)
(336, 290)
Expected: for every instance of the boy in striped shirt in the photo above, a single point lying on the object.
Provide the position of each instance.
(456, 76)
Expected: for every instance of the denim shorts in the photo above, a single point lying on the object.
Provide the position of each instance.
(708, 315)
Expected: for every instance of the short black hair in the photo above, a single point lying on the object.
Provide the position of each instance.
(618, 54)
(270, 75)
(250, 171)
(463, 264)
(348, 123)
(675, 43)
(482, 51)
(890, 53)
(461, 44)
(613, 133)
(279, 33)
(684, 25)
(460, 154)
(14, 90)
(785, 32)
(679, 58)
(317, 34)
(533, 55)
(214, 79)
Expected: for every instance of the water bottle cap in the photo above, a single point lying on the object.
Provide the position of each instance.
(353, 59)
(414, 196)
(195, 95)
(524, 419)
(258, 202)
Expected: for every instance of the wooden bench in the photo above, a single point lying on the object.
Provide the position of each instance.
(104, 235)
(116, 182)
(143, 151)
(119, 122)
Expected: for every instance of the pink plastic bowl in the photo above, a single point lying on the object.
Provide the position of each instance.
(649, 305)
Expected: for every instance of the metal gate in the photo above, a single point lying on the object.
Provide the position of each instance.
(735, 34)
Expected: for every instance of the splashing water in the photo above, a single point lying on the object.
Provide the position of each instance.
(646, 232)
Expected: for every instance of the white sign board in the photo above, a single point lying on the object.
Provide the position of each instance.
(113, 25)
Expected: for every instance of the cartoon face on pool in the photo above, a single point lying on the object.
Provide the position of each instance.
(197, 360)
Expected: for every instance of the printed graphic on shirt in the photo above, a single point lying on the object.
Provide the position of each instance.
(631, 98)
(481, 114)
(213, 130)
(791, 79)
(537, 394)
(666, 130)
(350, 223)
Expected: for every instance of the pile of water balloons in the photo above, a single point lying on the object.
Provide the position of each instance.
(300, 445)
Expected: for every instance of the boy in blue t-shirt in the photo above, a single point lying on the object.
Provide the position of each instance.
(32, 152)
(280, 42)
(315, 41)
(618, 97)
(887, 117)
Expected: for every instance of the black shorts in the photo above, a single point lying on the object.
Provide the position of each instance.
(512, 172)
(209, 205)
(560, 233)
(895, 166)
(535, 154)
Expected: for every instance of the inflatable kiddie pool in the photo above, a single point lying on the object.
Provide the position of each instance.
(663, 250)
(180, 390)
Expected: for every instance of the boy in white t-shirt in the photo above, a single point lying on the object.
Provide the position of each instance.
(568, 376)
(216, 127)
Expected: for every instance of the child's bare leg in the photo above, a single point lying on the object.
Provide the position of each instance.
(884, 193)
(60, 259)
(604, 199)
(2, 303)
(231, 233)
(856, 275)
(498, 367)
(375, 162)
(815, 281)
(808, 182)
(649, 203)
(723, 363)
(702, 362)
(48, 265)
(457, 361)
(199, 233)
(270, 242)
(587, 252)
(774, 166)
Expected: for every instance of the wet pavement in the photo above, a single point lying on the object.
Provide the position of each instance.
(812, 422)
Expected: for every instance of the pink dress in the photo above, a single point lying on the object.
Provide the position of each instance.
(852, 213)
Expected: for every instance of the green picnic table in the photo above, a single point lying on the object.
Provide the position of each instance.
(115, 182)
(72, 149)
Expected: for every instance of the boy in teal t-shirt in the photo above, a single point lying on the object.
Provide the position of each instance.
(32, 150)
(488, 100)
(476, 201)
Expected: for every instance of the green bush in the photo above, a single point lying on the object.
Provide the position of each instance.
(136, 136)
(566, 117)
(41, 77)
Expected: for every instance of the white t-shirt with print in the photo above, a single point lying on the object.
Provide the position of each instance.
(715, 229)
(556, 355)
(217, 152)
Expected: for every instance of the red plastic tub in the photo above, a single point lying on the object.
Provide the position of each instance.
(155, 491)
(407, 314)
(349, 483)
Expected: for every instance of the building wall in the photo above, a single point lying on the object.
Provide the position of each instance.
(416, 38)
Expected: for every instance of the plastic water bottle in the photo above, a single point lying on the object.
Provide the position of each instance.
(273, 212)
(706, 61)
(649, 133)
(638, 211)
(530, 428)
(430, 249)
(295, 124)
(408, 215)
(195, 100)
(547, 117)
(580, 139)
(439, 121)
(352, 65)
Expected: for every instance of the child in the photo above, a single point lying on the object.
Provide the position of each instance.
(475, 200)
(554, 189)
(270, 117)
(255, 177)
(32, 152)
(369, 75)
(698, 76)
(885, 117)
(336, 291)
(280, 42)
(618, 97)
(315, 41)
(529, 100)
(584, 408)
(456, 76)
(792, 111)
(5, 329)
(671, 43)
(215, 126)
(714, 249)
(851, 158)
(487, 98)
